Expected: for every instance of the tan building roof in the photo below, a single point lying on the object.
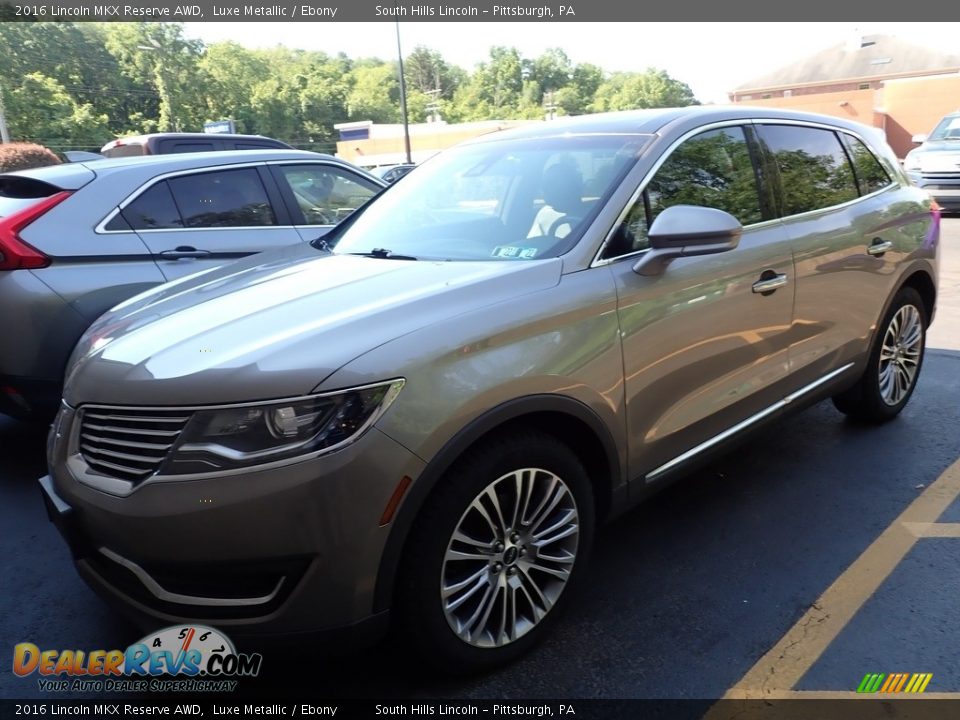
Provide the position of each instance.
(867, 56)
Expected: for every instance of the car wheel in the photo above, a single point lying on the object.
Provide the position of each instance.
(496, 553)
(894, 364)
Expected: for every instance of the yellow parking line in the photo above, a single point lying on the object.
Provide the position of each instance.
(785, 663)
(934, 529)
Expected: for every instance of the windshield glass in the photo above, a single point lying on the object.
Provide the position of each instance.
(947, 129)
(502, 200)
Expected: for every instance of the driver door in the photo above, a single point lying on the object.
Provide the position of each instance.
(703, 350)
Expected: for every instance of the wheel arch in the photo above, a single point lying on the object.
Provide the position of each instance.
(569, 420)
(921, 281)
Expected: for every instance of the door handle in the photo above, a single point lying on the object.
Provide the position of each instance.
(769, 282)
(878, 247)
(184, 251)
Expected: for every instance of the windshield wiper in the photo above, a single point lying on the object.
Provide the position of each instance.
(384, 254)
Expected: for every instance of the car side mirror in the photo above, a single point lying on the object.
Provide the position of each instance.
(685, 231)
(919, 139)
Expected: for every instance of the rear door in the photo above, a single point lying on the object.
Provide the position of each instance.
(839, 226)
(197, 220)
(320, 195)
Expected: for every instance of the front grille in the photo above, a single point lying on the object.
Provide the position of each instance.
(941, 175)
(129, 443)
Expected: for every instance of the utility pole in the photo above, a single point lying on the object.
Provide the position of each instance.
(403, 99)
(549, 105)
(433, 107)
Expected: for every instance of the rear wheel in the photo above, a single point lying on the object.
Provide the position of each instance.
(495, 553)
(894, 364)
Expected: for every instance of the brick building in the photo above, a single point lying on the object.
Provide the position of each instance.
(878, 80)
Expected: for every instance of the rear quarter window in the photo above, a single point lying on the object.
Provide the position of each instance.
(869, 171)
(153, 209)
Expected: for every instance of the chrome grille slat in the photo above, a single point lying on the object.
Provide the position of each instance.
(137, 418)
(125, 443)
(137, 431)
(122, 456)
(128, 443)
(125, 471)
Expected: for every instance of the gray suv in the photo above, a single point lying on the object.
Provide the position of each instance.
(77, 239)
(428, 414)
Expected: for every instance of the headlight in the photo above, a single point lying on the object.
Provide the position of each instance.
(911, 162)
(279, 430)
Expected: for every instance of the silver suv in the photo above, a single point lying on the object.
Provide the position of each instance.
(429, 414)
(77, 239)
(935, 165)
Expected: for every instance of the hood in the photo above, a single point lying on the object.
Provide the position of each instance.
(938, 156)
(277, 324)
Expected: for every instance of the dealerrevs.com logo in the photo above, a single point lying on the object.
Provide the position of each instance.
(196, 657)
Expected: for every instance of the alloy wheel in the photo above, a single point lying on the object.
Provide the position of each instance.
(509, 557)
(900, 354)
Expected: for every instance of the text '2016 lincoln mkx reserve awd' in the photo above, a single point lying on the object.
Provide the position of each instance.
(427, 413)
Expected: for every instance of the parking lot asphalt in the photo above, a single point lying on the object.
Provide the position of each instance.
(818, 551)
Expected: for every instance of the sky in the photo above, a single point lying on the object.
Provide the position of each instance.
(712, 58)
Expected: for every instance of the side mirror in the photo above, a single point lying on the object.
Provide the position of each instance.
(919, 139)
(685, 231)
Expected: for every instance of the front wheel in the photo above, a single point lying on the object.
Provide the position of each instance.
(894, 364)
(495, 553)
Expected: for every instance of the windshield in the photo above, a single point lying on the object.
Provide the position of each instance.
(947, 129)
(503, 200)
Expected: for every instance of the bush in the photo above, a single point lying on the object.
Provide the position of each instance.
(23, 156)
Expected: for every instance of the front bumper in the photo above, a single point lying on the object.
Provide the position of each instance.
(289, 551)
(945, 190)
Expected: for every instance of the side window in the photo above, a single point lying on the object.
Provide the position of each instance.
(814, 170)
(326, 194)
(186, 147)
(870, 173)
(225, 198)
(713, 169)
(152, 210)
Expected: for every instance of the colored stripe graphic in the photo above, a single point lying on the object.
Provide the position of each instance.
(894, 682)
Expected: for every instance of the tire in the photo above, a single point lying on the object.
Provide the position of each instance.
(894, 363)
(496, 605)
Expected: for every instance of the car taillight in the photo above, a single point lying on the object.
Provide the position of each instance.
(15, 254)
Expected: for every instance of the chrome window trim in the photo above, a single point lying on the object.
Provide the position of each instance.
(100, 228)
(598, 261)
(235, 228)
(161, 593)
(653, 475)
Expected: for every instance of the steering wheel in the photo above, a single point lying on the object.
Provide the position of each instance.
(571, 221)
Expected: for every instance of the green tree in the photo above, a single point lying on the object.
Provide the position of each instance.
(650, 89)
(39, 109)
(375, 93)
(160, 56)
(230, 73)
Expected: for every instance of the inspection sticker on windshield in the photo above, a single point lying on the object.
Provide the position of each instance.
(513, 251)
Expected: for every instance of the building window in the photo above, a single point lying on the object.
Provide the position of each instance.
(863, 86)
(766, 96)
